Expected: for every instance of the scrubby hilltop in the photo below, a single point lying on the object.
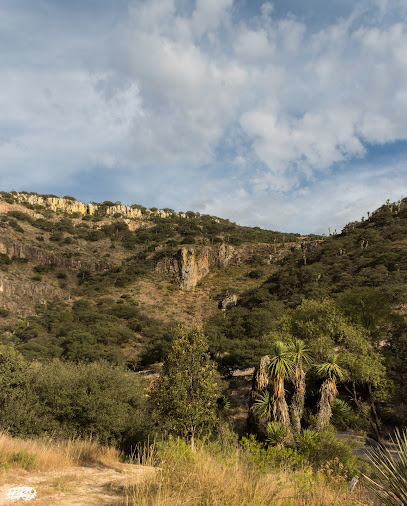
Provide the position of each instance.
(141, 270)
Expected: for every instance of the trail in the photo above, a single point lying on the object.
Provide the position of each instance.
(76, 486)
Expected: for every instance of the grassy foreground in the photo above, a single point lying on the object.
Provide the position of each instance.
(215, 475)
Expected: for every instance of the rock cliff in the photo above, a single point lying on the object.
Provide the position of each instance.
(70, 205)
(191, 265)
(15, 286)
(21, 250)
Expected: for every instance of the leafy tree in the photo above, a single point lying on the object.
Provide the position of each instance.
(71, 400)
(185, 394)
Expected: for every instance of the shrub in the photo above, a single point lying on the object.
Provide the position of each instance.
(70, 400)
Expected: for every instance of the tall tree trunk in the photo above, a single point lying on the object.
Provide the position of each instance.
(328, 393)
(280, 407)
(260, 383)
(376, 421)
(298, 400)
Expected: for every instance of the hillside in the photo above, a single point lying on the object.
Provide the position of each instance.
(351, 282)
(90, 281)
(98, 339)
(123, 275)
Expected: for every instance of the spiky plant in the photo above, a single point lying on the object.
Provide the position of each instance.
(277, 434)
(300, 357)
(341, 413)
(263, 406)
(332, 372)
(307, 440)
(281, 368)
(390, 483)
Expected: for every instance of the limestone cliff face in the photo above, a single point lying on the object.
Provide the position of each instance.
(5, 207)
(74, 206)
(191, 265)
(191, 268)
(20, 250)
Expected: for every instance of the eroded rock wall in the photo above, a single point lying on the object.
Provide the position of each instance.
(20, 250)
(74, 206)
(191, 265)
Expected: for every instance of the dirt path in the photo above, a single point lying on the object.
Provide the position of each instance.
(77, 485)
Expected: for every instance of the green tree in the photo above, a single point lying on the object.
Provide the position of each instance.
(185, 394)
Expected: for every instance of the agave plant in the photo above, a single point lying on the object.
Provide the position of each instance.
(390, 483)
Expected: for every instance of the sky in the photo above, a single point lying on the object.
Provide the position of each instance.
(287, 115)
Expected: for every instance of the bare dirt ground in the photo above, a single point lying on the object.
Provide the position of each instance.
(76, 486)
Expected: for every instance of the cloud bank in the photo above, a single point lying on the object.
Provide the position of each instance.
(267, 116)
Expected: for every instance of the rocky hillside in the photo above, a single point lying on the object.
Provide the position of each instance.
(164, 267)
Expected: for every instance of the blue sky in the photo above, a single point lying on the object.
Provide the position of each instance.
(287, 115)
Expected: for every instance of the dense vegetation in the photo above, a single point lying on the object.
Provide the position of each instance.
(329, 318)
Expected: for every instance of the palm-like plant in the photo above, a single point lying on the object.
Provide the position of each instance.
(259, 387)
(331, 371)
(390, 484)
(277, 434)
(263, 406)
(300, 357)
(281, 368)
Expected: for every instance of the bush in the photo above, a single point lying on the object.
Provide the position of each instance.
(322, 449)
(4, 259)
(69, 400)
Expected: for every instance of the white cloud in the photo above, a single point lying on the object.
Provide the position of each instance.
(252, 105)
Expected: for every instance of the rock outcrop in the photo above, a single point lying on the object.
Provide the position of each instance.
(191, 268)
(17, 287)
(70, 205)
(228, 302)
(20, 250)
(191, 265)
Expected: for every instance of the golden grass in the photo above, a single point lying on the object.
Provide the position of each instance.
(202, 478)
(49, 454)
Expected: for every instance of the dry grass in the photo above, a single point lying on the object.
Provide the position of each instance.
(49, 454)
(202, 478)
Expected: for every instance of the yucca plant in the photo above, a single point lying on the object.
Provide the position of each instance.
(341, 414)
(390, 482)
(300, 357)
(331, 371)
(277, 434)
(281, 368)
(263, 406)
(307, 440)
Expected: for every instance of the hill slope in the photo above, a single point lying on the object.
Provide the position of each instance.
(121, 275)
